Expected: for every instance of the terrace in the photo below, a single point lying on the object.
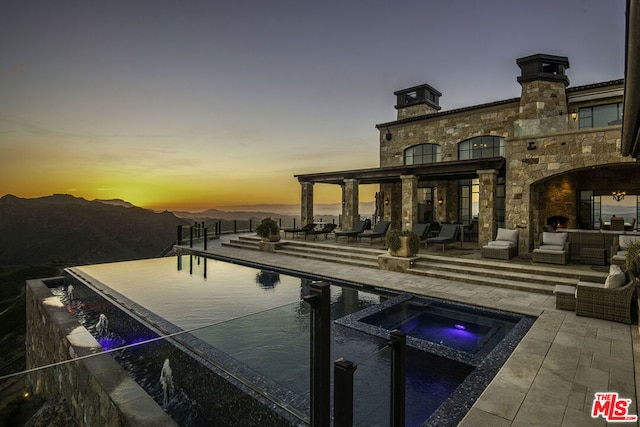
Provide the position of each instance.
(553, 374)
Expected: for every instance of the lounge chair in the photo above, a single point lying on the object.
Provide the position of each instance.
(422, 230)
(358, 228)
(449, 233)
(295, 231)
(552, 248)
(380, 230)
(505, 246)
(328, 228)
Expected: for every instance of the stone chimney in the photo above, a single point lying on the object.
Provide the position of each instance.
(543, 81)
(417, 101)
(543, 102)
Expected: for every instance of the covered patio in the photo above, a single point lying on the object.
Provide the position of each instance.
(399, 187)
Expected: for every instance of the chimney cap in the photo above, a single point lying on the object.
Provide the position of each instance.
(543, 67)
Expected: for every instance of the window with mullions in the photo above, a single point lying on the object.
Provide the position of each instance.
(423, 153)
(481, 147)
(600, 115)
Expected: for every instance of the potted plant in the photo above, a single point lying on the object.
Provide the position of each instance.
(403, 243)
(632, 261)
(268, 230)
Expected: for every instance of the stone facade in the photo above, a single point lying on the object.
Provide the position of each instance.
(548, 158)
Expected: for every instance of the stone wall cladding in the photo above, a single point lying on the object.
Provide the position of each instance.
(447, 131)
(87, 385)
(535, 186)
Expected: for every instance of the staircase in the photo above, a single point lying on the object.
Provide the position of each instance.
(523, 275)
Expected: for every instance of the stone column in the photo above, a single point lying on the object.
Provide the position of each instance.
(306, 211)
(349, 203)
(487, 220)
(409, 201)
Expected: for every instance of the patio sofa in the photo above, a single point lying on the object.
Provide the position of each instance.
(505, 246)
(609, 301)
(552, 248)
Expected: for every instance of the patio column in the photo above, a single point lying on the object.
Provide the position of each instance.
(349, 203)
(306, 205)
(487, 219)
(409, 201)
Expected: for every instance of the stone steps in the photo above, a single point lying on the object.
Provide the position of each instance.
(532, 278)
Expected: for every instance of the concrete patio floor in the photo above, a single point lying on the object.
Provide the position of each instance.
(553, 374)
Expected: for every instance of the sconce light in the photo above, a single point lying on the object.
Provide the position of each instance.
(574, 116)
(618, 195)
(386, 202)
(532, 145)
(440, 201)
(388, 135)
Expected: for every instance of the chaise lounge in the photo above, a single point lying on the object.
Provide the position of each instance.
(505, 246)
(295, 231)
(328, 228)
(358, 228)
(449, 233)
(380, 230)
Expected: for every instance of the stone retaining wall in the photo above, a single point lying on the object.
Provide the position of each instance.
(96, 389)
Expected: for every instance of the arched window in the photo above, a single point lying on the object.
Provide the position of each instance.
(423, 153)
(481, 147)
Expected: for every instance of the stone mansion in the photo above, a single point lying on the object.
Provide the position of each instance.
(550, 156)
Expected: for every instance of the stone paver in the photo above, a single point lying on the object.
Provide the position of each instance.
(551, 377)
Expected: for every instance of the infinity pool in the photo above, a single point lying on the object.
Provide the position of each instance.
(256, 323)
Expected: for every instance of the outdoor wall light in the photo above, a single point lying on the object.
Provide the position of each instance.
(386, 201)
(440, 201)
(388, 135)
(574, 116)
(532, 145)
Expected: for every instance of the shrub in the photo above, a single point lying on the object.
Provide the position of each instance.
(268, 227)
(632, 261)
(393, 241)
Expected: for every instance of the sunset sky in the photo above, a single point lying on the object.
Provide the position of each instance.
(200, 103)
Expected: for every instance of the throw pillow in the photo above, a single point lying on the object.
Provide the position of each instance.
(616, 277)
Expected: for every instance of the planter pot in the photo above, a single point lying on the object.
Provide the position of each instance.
(403, 251)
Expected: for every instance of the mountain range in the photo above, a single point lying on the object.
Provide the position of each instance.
(62, 229)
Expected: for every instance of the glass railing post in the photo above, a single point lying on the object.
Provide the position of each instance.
(398, 344)
(205, 238)
(343, 393)
(191, 236)
(179, 235)
(320, 352)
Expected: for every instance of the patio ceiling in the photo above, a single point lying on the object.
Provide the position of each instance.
(459, 169)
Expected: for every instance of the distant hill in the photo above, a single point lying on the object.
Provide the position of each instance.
(69, 230)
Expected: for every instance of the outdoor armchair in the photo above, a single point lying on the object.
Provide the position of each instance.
(552, 248)
(609, 303)
(505, 246)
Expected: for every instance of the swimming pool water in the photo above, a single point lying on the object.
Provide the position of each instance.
(257, 318)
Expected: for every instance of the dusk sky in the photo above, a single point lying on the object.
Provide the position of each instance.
(200, 103)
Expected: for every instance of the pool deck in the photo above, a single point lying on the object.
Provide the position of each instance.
(553, 374)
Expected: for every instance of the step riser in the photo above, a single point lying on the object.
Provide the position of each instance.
(505, 276)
